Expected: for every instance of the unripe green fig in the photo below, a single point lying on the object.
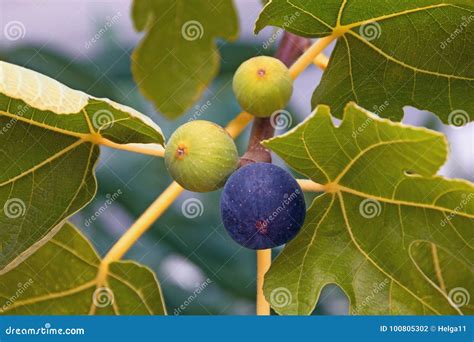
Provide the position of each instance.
(262, 86)
(200, 156)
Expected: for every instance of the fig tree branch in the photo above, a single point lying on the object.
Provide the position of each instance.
(235, 128)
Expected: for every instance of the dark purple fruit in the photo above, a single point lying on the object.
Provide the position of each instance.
(262, 206)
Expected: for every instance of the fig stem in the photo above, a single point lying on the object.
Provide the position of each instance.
(310, 186)
(264, 260)
(148, 149)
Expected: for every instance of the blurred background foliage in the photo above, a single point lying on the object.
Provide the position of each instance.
(183, 252)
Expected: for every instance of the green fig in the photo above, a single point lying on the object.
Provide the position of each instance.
(262, 86)
(200, 156)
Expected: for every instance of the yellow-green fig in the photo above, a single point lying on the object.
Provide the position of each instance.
(262, 86)
(200, 156)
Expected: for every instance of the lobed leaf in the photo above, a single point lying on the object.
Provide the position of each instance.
(48, 136)
(61, 279)
(389, 54)
(394, 236)
(177, 59)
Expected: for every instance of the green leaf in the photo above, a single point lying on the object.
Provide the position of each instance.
(48, 136)
(394, 236)
(389, 54)
(178, 58)
(61, 279)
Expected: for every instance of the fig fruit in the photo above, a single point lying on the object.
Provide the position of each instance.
(200, 156)
(262, 206)
(262, 86)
